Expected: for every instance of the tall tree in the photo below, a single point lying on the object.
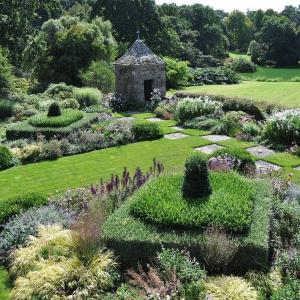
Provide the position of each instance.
(293, 13)
(240, 29)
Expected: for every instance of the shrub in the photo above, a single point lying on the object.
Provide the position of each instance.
(155, 99)
(229, 207)
(51, 150)
(99, 75)
(17, 204)
(116, 102)
(251, 129)
(187, 269)
(64, 119)
(233, 288)
(144, 130)
(189, 108)
(283, 128)
(238, 159)
(7, 109)
(6, 158)
(60, 90)
(218, 251)
(28, 153)
(196, 181)
(87, 96)
(166, 109)
(241, 65)
(201, 123)
(177, 72)
(218, 75)
(54, 110)
(19, 228)
(25, 130)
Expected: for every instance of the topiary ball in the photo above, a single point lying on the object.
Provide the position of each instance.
(54, 110)
(196, 181)
(5, 158)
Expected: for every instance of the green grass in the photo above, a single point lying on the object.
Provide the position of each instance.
(5, 286)
(284, 160)
(229, 206)
(280, 93)
(84, 169)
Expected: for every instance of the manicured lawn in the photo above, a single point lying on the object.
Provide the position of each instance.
(4, 284)
(84, 169)
(280, 93)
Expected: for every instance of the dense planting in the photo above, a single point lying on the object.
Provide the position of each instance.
(143, 130)
(229, 207)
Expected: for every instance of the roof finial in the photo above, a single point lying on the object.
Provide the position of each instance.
(138, 34)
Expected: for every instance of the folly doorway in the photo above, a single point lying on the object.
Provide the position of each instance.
(148, 89)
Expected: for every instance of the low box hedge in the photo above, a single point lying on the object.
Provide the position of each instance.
(25, 130)
(134, 241)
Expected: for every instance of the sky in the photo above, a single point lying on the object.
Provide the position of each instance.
(229, 5)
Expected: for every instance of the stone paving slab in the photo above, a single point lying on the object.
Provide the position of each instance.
(297, 168)
(179, 128)
(154, 120)
(209, 148)
(216, 137)
(175, 136)
(263, 167)
(260, 151)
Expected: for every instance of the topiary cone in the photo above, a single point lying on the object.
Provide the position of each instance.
(196, 181)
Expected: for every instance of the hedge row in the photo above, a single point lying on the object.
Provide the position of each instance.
(25, 130)
(134, 241)
(235, 104)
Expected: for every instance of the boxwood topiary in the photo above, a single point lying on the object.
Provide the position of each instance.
(5, 158)
(54, 110)
(143, 130)
(196, 182)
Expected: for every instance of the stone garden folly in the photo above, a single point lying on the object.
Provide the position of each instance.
(139, 72)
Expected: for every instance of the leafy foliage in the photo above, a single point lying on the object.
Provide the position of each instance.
(241, 65)
(16, 205)
(53, 111)
(144, 130)
(6, 108)
(87, 96)
(196, 183)
(5, 73)
(6, 158)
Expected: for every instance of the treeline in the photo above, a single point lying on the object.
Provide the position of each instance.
(64, 40)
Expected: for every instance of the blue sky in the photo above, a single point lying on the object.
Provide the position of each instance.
(229, 5)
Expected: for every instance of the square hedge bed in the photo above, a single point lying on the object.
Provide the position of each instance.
(134, 241)
(25, 130)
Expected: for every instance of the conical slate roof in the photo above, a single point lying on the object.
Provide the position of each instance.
(139, 54)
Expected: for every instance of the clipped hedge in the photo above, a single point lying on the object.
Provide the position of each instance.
(67, 117)
(25, 130)
(144, 130)
(133, 240)
(14, 206)
(233, 104)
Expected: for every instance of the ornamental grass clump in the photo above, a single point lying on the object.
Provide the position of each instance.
(196, 182)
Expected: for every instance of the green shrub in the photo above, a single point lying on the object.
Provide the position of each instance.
(241, 65)
(229, 207)
(196, 183)
(283, 128)
(6, 109)
(241, 160)
(16, 205)
(218, 75)
(231, 123)
(201, 123)
(99, 75)
(6, 76)
(186, 268)
(87, 96)
(66, 118)
(251, 129)
(25, 130)
(289, 291)
(143, 130)
(190, 108)
(177, 72)
(134, 240)
(5, 158)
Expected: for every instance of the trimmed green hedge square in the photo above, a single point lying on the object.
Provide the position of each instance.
(133, 240)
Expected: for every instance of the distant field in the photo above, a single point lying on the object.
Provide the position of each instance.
(280, 93)
(284, 74)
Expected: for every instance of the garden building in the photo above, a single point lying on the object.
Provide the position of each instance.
(139, 72)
